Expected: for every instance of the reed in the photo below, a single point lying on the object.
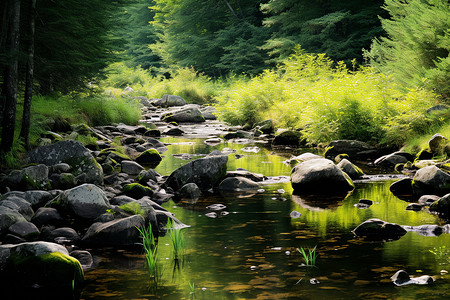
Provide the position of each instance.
(310, 256)
(151, 250)
(177, 239)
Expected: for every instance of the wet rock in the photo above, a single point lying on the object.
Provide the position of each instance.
(206, 173)
(74, 154)
(249, 175)
(428, 199)
(173, 131)
(254, 149)
(169, 101)
(86, 201)
(377, 229)
(149, 157)
(9, 217)
(213, 141)
(34, 177)
(145, 176)
(23, 206)
(216, 207)
(121, 232)
(295, 214)
(350, 169)
(240, 134)
(84, 257)
(390, 160)
(402, 187)
(414, 207)
(47, 216)
(354, 149)
(131, 168)
(161, 196)
(209, 112)
(442, 206)
(265, 126)
(25, 230)
(39, 263)
(320, 176)
(425, 230)
(431, 180)
(289, 138)
(364, 203)
(303, 157)
(238, 184)
(189, 192)
(69, 235)
(437, 143)
(401, 277)
(136, 190)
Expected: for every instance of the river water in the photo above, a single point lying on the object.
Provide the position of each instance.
(251, 253)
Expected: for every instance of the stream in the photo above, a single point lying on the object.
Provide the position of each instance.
(251, 252)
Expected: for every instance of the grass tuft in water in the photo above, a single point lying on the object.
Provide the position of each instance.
(151, 250)
(177, 238)
(310, 256)
(442, 254)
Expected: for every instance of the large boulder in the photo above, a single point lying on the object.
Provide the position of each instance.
(189, 114)
(289, 138)
(209, 112)
(149, 157)
(238, 184)
(169, 101)
(391, 160)
(350, 169)
(437, 143)
(354, 149)
(74, 154)
(33, 177)
(320, 176)
(206, 173)
(431, 180)
(379, 230)
(442, 206)
(8, 217)
(86, 201)
(39, 264)
(121, 232)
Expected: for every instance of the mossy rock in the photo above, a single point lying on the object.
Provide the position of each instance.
(82, 129)
(424, 154)
(289, 138)
(151, 126)
(149, 157)
(117, 156)
(136, 190)
(48, 270)
(153, 133)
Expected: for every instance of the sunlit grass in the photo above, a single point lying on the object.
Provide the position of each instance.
(151, 251)
(309, 256)
(176, 238)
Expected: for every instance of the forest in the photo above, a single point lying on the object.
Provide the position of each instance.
(357, 70)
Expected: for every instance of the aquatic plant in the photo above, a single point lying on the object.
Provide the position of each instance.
(442, 254)
(310, 257)
(192, 287)
(151, 250)
(177, 239)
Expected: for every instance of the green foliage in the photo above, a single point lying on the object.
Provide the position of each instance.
(330, 101)
(417, 46)
(151, 251)
(177, 239)
(309, 257)
(442, 254)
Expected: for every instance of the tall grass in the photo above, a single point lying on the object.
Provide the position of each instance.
(151, 251)
(177, 239)
(309, 257)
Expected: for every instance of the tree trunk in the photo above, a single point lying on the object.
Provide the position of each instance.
(25, 131)
(11, 77)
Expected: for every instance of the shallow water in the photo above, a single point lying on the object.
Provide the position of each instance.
(251, 252)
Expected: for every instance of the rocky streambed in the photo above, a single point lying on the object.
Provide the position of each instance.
(72, 200)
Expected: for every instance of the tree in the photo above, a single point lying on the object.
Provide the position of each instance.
(338, 28)
(11, 77)
(417, 46)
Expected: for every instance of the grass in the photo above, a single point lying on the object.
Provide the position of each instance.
(309, 256)
(177, 238)
(442, 254)
(151, 251)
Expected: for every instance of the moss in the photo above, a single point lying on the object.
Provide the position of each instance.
(133, 208)
(149, 157)
(136, 190)
(51, 269)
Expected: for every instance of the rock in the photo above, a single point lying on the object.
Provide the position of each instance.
(169, 101)
(131, 168)
(121, 200)
(37, 198)
(121, 232)
(319, 176)
(437, 143)
(390, 160)
(153, 133)
(414, 207)
(265, 127)
(206, 173)
(63, 181)
(428, 199)
(190, 114)
(23, 206)
(354, 149)
(47, 216)
(145, 176)
(39, 263)
(289, 138)
(431, 180)
(401, 277)
(173, 131)
(189, 192)
(238, 184)
(25, 230)
(84, 257)
(209, 113)
(69, 235)
(161, 196)
(442, 206)
(9, 217)
(304, 157)
(350, 169)
(364, 203)
(402, 187)
(149, 157)
(240, 134)
(33, 177)
(86, 201)
(74, 154)
(244, 173)
(136, 190)
(425, 230)
(377, 229)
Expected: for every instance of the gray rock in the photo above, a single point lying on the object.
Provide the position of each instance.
(425, 230)
(401, 277)
(319, 176)
(84, 257)
(289, 138)
(377, 229)
(402, 187)
(442, 206)
(131, 168)
(189, 192)
(431, 180)
(354, 149)
(86, 201)
(121, 232)
(37, 198)
(206, 173)
(173, 131)
(238, 184)
(209, 112)
(350, 169)
(23, 206)
(244, 173)
(390, 160)
(428, 199)
(437, 143)
(47, 216)
(25, 230)
(169, 101)
(74, 154)
(69, 235)
(9, 217)
(190, 114)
